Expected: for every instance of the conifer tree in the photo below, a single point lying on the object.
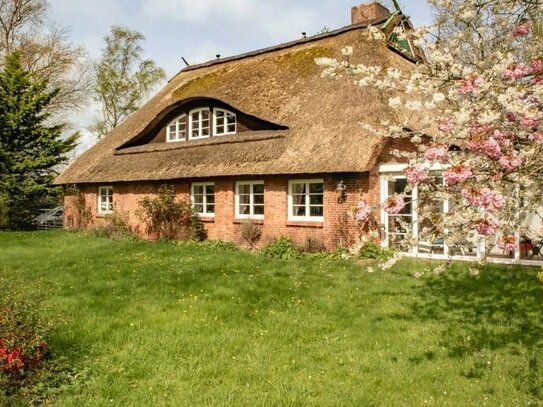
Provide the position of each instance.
(31, 148)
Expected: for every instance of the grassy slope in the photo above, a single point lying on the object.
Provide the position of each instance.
(160, 325)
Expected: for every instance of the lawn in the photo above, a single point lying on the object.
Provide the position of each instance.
(169, 325)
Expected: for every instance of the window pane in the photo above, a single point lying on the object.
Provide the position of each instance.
(210, 209)
(259, 210)
(316, 188)
(198, 199)
(210, 198)
(205, 131)
(198, 189)
(258, 199)
(244, 189)
(244, 199)
(231, 128)
(298, 210)
(258, 188)
(231, 119)
(315, 199)
(244, 210)
(298, 199)
(316, 211)
(220, 129)
(219, 114)
(205, 114)
(199, 208)
(298, 188)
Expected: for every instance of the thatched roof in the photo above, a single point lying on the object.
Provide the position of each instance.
(281, 85)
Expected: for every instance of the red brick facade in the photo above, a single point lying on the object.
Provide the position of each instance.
(336, 228)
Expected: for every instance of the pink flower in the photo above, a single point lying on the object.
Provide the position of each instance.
(469, 85)
(363, 212)
(437, 153)
(485, 198)
(511, 161)
(490, 148)
(446, 125)
(537, 66)
(521, 30)
(485, 227)
(416, 174)
(536, 137)
(457, 174)
(508, 243)
(394, 204)
(516, 72)
(529, 123)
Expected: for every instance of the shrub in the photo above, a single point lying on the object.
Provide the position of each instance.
(282, 248)
(167, 218)
(314, 245)
(116, 226)
(251, 232)
(371, 250)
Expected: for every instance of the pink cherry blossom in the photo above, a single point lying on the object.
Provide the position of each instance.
(517, 71)
(511, 161)
(363, 212)
(437, 153)
(490, 148)
(529, 123)
(484, 198)
(537, 66)
(536, 137)
(394, 204)
(457, 174)
(416, 174)
(469, 85)
(521, 30)
(446, 125)
(486, 227)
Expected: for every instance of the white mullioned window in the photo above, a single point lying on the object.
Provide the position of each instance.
(306, 200)
(105, 200)
(177, 129)
(224, 122)
(250, 199)
(199, 123)
(203, 198)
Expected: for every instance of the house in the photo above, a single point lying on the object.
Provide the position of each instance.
(258, 136)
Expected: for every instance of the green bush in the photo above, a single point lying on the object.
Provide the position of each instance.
(282, 248)
(371, 250)
(116, 226)
(313, 244)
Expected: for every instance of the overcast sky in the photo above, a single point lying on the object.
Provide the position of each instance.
(200, 29)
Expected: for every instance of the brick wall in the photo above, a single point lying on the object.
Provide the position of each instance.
(337, 227)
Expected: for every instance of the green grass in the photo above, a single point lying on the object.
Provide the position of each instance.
(167, 325)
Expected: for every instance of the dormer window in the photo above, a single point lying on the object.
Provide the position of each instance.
(177, 130)
(225, 122)
(200, 124)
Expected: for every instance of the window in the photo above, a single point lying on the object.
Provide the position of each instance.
(177, 130)
(203, 198)
(305, 200)
(250, 199)
(199, 124)
(105, 199)
(225, 122)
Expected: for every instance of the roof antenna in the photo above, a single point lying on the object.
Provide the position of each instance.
(304, 34)
(185, 61)
(218, 56)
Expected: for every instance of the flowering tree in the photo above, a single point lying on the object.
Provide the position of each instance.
(479, 96)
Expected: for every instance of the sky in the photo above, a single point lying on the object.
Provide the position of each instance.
(199, 29)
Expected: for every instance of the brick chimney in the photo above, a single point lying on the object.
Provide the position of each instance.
(366, 13)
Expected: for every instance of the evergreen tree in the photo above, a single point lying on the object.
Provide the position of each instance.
(30, 148)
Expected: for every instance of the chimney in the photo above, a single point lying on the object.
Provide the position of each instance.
(367, 13)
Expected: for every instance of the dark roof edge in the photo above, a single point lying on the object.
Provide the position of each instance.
(285, 45)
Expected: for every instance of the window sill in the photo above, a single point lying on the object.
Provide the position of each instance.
(319, 224)
(254, 221)
(207, 219)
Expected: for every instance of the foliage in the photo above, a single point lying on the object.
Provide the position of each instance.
(212, 245)
(116, 226)
(123, 78)
(313, 244)
(46, 50)
(251, 232)
(282, 248)
(167, 218)
(371, 250)
(31, 147)
(473, 110)
(153, 322)
(82, 213)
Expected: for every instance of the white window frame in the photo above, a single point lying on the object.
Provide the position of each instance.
(200, 120)
(109, 194)
(251, 215)
(306, 217)
(204, 202)
(225, 122)
(171, 138)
